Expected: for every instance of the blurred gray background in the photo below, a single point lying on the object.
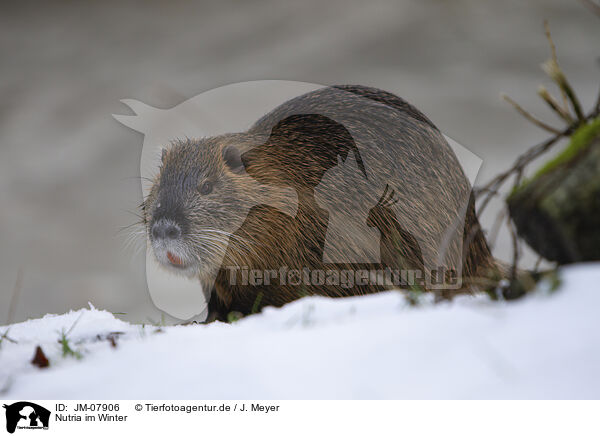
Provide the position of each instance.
(67, 168)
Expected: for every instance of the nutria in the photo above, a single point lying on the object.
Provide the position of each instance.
(217, 208)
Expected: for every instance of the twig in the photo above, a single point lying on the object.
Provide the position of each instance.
(518, 177)
(491, 188)
(513, 232)
(496, 228)
(555, 59)
(5, 336)
(515, 250)
(555, 105)
(530, 117)
(555, 73)
(15, 296)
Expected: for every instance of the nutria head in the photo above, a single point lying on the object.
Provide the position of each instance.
(205, 188)
(199, 198)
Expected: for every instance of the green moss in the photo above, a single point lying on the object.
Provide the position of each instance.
(414, 295)
(67, 350)
(580, 140)
(256, 305)
(555, 281)
(234, 317)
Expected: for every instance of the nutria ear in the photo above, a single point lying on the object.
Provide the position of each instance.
(233, 158)
(163, 155)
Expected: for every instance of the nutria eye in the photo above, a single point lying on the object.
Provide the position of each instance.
(206, 188)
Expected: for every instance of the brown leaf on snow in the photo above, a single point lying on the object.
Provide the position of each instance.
(39, 359)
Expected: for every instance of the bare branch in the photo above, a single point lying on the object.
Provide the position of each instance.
(496, 228)
(530, 117)
(515, 250)
(555, 59)
(555, 105)
(553, 70)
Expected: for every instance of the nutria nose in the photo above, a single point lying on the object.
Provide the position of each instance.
(163, 229)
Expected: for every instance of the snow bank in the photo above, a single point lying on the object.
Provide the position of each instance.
(544, 346)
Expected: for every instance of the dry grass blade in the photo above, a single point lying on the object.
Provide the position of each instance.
(552, 69)
(555, 105)
(554, 59)
(15, 296)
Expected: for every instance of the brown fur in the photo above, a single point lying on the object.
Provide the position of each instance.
(291, 148)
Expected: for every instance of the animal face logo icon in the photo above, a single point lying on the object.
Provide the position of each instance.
(26, 415)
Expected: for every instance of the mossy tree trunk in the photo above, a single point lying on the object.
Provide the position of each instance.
(558, 211)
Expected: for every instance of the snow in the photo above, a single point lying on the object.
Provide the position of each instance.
(543, 346)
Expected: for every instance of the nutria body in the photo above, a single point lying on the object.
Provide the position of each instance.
(305, 189)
